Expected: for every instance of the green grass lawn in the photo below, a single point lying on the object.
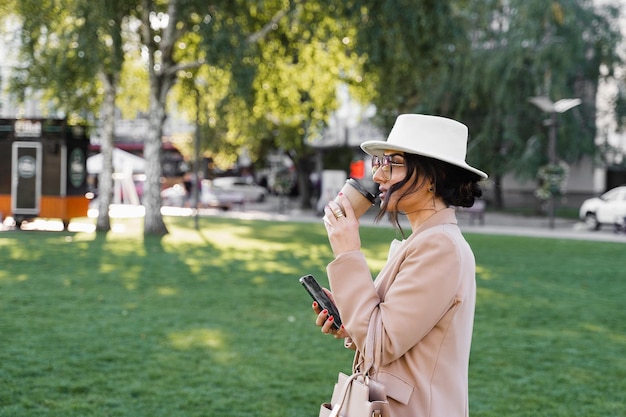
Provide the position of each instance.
(214, 323)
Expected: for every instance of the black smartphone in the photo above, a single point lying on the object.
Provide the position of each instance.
(318, 294)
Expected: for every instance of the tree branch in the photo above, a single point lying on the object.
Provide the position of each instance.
(257, 36)
(169, 35)
(173, 69)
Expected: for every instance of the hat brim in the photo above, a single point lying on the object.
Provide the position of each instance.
(378, 147)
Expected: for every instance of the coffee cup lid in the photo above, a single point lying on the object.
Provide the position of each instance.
(361, 189)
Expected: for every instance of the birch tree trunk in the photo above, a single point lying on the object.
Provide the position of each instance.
(105, 178)
(153, 221)
(162, 72)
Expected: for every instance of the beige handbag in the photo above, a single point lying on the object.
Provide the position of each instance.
(358, 395)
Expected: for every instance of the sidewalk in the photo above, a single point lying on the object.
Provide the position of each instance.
(281, 210)
(495, 223)
(517, 225)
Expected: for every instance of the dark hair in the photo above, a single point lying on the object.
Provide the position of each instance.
(455, 185)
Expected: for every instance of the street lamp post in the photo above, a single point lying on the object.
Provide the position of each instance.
(561, 106)
(196, 164)
(199, 85)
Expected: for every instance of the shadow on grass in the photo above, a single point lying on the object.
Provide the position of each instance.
(122, 324)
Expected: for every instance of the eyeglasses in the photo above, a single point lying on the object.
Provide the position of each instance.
(386, 163)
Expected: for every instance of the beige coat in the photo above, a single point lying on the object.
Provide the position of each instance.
(426, 294)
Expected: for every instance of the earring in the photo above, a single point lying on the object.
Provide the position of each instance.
(431, 189)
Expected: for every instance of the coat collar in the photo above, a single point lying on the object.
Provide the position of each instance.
(445, 216)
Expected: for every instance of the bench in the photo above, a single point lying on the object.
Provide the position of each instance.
(476, 212)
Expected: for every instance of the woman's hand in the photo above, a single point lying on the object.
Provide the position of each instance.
(343, 230)
(325, 322)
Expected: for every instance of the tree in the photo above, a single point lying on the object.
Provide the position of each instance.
(178, 37)
(267, 71)
(408, 48)
(159, 34)
(302, 63)
(270, 77)
(479, 61)
(108, 43)
(226, 38)
(67, 46)
(520, 49)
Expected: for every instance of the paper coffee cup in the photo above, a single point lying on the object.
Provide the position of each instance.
(359, 197)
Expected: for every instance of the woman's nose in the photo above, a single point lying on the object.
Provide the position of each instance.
(379, 176)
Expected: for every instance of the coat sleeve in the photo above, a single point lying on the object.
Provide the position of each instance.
(354, 293)
(425, 283)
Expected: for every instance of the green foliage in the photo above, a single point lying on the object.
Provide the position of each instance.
(409, 47)
(66, 46)
(213, 322)
(271, 78)
(270, 69)
(52, 55)
(283, 80)
(522, 49)
(133, 90)
(552, 180)
(6, 6)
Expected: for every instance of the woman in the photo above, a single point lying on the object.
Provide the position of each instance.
(426, 292)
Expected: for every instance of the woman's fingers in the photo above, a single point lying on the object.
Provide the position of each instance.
(321, 318)
(327, 322)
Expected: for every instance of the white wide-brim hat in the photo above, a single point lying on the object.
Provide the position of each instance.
(432, 136)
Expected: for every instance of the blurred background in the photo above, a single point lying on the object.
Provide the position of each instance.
(165, 97)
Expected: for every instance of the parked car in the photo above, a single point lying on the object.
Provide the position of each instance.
(174, 196)
(251, 191)
(212, 196)
(608, 209)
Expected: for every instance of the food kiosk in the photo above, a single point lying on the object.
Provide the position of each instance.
(43, 170)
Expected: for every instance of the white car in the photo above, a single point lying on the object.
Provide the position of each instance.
(251, 191)
(212, 196)
(608, 209)
(174, 196)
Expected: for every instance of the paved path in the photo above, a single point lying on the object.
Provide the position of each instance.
(502, 224)
(280, 210)
(495, 223)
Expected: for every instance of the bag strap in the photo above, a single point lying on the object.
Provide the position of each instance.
(373, 344)
(371, 360)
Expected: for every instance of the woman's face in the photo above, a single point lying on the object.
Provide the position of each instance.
(390, 169)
